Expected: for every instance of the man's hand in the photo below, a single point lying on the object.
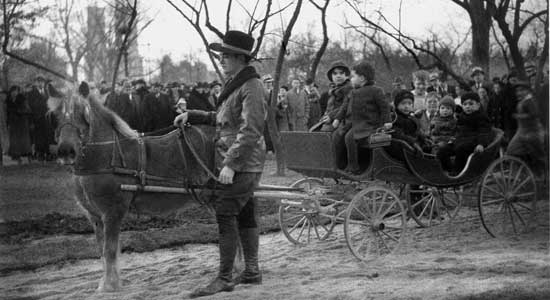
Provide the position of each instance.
(335, 123)
(325, 119)
(479, 149)
(181, 119)
(226, 175)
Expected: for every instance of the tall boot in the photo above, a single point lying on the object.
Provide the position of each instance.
(250, 242)
(227, 227)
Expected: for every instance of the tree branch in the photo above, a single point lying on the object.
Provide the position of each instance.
(208, 24)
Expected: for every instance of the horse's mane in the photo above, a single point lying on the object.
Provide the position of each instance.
(112, 118)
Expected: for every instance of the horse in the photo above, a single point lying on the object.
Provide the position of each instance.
(106, 153)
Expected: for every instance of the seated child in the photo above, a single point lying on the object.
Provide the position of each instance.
(362, 113)
(473, 134)
(443, 127)
(405, 126)
(338, 74)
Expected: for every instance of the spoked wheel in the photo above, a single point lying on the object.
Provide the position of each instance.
(507, 197)
(306, 220)
(375, 223)
(430, 206)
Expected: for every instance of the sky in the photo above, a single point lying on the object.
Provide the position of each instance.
(171, 34)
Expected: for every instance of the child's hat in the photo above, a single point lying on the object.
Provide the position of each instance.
(402, 95)
(337, 64)
(448, 101)
(469, 96)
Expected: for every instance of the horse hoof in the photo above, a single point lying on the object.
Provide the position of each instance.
(108, 287)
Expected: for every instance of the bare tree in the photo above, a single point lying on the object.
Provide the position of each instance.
(74, 42)
(129, 11)
(480, 14)
(273, 132)
(12, 12)
(520, 20)
(324, 44)
(411, 45)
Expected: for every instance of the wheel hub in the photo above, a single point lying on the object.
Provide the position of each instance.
(378, 226)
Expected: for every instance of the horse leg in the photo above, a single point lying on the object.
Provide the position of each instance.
(112, 222)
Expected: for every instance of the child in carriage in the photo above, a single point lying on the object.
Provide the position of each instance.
(443, 126)
(339, 75)
(406, 127)
(473, 134)
(364, 111)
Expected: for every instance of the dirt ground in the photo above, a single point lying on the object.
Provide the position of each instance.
(458, 260)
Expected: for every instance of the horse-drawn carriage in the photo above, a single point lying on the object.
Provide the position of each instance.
(389, 192)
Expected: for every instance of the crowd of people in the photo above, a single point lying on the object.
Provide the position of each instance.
(300, 106)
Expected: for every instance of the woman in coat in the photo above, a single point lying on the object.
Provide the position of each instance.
(19, 117)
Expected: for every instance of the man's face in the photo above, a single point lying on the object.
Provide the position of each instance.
(156, 89)
(496, 88)
(482, 92)
(419, 85)
(216, 89)
(470, 106)
(200, 90)
(230, 64)
(268, 85)
(434, 82)
(432, 104)
(339, 76)
(282, 92)
(479, 77)
(295, 83)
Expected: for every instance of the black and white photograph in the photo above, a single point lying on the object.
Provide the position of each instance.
(274, 149)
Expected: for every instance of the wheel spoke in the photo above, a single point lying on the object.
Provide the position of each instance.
(521, 185)
(388, 235)
(524, 195)
(361, 213)
(388, 209)
(292, 218)
(495, 201)
(431, 213)
(315, 228)
(518, 175)
(511, 218)
(296, 225)
(302, 229)
(384, 197)
(497, 180)
(523, 206)
(358, 223)
(503, 176)
(400, 214)
(518, 214)
(308, 230)
(494, 191)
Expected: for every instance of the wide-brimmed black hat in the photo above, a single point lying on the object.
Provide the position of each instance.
(234, 42)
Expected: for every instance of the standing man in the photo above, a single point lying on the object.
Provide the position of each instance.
(298, 106)
(159, 110)
(240, 154)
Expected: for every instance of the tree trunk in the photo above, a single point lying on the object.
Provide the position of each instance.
(481, 29)
(272, 127)
(74, 68)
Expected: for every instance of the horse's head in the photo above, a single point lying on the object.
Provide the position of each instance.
(72, 112)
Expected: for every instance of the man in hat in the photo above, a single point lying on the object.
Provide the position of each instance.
(478, 76)
(440, 86)
(159, 111)
(298, 106)
(240, 156)
(215, 90)
(198, 99)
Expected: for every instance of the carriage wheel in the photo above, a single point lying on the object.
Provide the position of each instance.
(432, 206)
(507, 197)
(308, 184)
(375, 223)
(309, 219)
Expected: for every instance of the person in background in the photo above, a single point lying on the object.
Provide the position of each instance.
(215, 90)
(298, 106)
(426, 116)
(19, 117)
(528, 141)
(323, 100)
(282, 110)
(159, 110)
(313, 97)
(119, 101)
(420, 82)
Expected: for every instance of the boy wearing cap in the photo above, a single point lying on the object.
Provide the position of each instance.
(363, 111)
(443, 126)
(339, 75)
(240, 156)
(473, 134)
